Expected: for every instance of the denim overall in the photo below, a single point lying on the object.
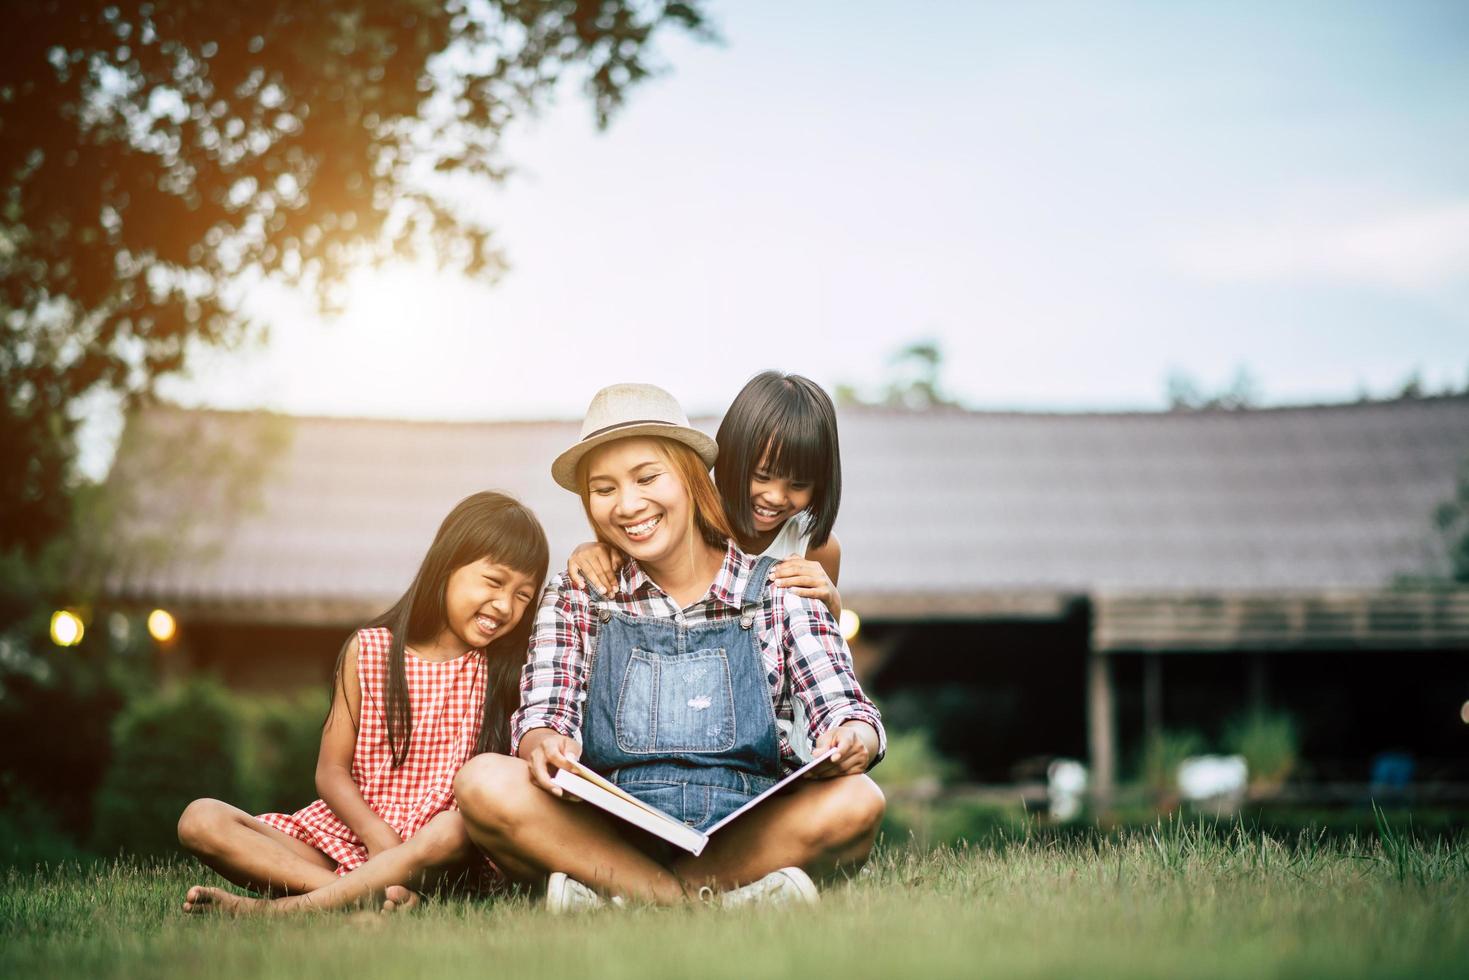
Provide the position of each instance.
(680, 716)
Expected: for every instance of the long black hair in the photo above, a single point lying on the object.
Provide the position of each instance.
(788, 421)
(484, 525)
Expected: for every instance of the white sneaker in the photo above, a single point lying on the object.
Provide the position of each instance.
(788, 886)
(565, 894)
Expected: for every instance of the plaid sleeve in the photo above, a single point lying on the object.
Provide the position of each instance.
(821, 673)
(554, 676)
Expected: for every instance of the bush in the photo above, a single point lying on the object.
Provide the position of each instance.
(258, 753)
(56, 715)
(912, 775)
(1270, 744)
(282, 739)
(168, 749)
(1162, 755)
(30, 833)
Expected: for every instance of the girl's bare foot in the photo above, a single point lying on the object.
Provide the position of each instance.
(203, 900)
(397, 898)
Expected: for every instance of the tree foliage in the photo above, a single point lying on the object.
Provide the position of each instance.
(160, 156)
(1451, 518)
(1186, 395)
(912, 383)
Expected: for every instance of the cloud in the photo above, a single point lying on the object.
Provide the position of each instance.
(1418, 250)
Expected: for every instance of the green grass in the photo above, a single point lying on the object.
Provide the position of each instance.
(1174, 899)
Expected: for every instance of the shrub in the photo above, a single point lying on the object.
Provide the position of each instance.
(282, 739)
(1270, 744)
(168, 749)
(912, 774)
(1162, 755)
(256, 752)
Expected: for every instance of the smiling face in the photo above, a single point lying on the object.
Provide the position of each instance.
(775, 499)
(484, 600)
(637, 502)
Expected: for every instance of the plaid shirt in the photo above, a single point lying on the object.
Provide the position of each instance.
(805, 655)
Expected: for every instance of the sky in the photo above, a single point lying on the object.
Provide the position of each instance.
(1073, 200)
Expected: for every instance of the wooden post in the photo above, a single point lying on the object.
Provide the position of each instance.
(1152, 696)
(1259, 683)
(1101, 729)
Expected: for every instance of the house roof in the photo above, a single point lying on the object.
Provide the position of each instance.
(939, 509)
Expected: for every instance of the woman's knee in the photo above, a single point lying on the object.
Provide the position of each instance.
(850, 811)
(490, 789)
(444, 839)
(202, 824)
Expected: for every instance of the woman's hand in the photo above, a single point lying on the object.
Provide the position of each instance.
(545, 750)
(807, 578)
(596, 561)
(855, 744)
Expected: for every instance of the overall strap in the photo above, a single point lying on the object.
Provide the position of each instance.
(600, 606)
(756, 589)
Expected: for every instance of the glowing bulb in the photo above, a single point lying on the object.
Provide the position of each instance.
(850, 624)
(66, 628)
(161, 625)
(1464, 713)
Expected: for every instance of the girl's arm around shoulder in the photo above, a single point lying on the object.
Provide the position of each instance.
(821, 676)
(829, 557)
(814, 576)
(597, 561)
(555, 672)
(334, 761)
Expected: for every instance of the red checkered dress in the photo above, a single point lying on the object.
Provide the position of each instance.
(448, 700)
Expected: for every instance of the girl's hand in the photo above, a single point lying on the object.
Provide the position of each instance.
(596, 561)
(807, 578)
(382, 839)
(855, 743)
(545, 751)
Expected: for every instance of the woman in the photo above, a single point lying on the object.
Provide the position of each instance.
(697, 656)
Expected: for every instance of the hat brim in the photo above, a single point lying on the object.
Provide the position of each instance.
(563, 470)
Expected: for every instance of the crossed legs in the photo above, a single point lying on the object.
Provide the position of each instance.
(212, 830)
(822, 827)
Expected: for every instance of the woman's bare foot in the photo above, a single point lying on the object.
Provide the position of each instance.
(203, 900)
(397, 898)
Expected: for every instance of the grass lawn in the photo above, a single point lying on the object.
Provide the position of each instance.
(1177, 900)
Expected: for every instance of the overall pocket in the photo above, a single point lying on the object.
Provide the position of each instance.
(676, 703)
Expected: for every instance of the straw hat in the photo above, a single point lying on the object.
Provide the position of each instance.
(623, 411)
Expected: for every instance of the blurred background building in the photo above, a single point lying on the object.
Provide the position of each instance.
(1028, 585)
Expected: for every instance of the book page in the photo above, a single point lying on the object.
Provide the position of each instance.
(786, 781)
(602, 782)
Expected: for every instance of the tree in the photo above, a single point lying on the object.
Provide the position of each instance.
(1185, 395)
(1451, 518)
(161, 155)
(913, 380)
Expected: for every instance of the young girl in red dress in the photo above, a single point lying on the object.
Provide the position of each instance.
(423, 688)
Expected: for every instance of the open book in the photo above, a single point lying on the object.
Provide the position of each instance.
(582, 782)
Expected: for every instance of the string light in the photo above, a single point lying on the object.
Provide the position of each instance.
(850, 624)
(66, 628)
(162, 626)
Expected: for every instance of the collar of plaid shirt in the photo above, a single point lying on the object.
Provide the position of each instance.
(728, 585)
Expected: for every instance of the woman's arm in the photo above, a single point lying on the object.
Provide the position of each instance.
(554, 674)
(819, 668)
(815, 576)
(334, 762)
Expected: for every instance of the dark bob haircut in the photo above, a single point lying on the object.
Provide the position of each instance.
(791, 423)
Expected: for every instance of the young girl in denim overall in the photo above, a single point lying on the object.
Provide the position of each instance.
(673, 685)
